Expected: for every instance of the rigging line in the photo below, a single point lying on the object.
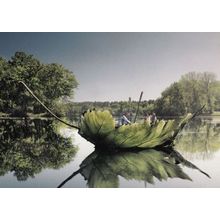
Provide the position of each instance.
(55, 116)
(138, 106)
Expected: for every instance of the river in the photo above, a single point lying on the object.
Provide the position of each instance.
(43, 153)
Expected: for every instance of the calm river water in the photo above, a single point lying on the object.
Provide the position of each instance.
(43, 153)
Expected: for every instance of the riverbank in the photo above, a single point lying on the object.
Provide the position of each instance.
(45, 116)
(28, 116)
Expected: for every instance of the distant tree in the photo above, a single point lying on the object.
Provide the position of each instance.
(198, 90)
(208, 85)
(171, 102)
(189, 94)
(216, 91)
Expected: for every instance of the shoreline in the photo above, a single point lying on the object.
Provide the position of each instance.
(51, 118)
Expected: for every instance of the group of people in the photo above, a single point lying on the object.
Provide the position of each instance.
(126, 118)
(123, 120)
(150, 118)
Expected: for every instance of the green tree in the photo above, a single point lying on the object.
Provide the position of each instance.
(208, 86)
(199, 89)
(189, 94)
(216, 91)
(171, 102)
(50, 82)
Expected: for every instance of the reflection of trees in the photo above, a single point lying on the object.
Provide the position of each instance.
(28, 146)
(200, 139)
(104, 169)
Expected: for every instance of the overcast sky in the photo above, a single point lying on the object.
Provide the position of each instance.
(115, 66)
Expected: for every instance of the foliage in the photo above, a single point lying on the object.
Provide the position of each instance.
(73, 111)
(171, 102)
(189, 94)
(54, 85)
(51, 83)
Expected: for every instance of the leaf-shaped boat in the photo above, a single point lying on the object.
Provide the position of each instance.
(99, 128)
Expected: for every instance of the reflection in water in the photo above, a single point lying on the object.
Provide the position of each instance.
(29, 146)
(200, 139)
(103, 169)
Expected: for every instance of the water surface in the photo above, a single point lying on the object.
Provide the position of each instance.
(43, 153)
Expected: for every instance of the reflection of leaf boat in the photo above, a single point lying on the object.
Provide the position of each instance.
(103, 169)
(99, 128)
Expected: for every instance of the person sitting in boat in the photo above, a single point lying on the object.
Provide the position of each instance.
(153, 118)
(147, 118)
(124, 120)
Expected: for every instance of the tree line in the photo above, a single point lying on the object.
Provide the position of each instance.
(55, 85)
(189, 94)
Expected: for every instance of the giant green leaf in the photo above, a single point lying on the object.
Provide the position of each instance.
(99, 128)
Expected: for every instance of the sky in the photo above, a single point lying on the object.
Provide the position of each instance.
(116, 66)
